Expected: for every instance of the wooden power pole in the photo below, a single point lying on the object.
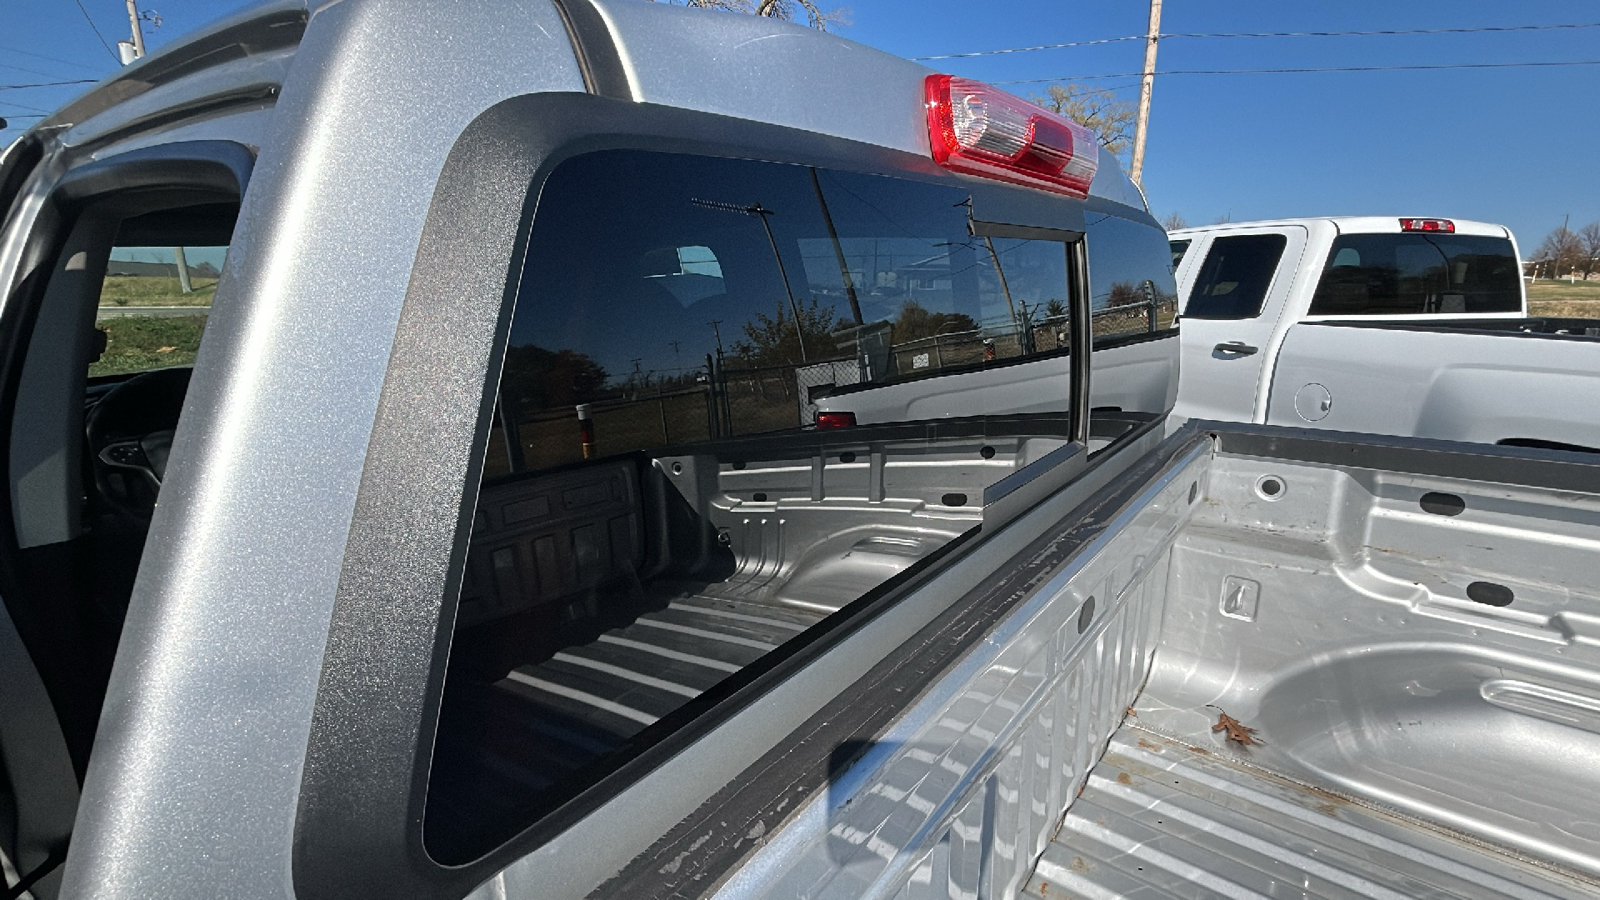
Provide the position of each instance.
(138, 33)
(1146, 85)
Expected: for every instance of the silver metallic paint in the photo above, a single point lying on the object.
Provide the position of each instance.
(962, 794)
(204, 731)
(209, 708)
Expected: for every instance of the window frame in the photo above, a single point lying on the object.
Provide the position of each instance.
(81, 208)
(376, 708)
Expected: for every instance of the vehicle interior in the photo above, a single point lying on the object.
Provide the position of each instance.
(93, 411)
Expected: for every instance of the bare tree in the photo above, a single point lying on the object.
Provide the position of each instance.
(788, 10)
(1111, 118)
(1562, 250)
(1589, 235)
(1174, 221)
(1223, 219)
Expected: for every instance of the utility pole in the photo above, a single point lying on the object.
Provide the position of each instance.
(1146, 85)
(138, 33)
(183, 270)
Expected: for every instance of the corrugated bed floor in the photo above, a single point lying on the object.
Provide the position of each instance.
(1159, 818)
(588, 699)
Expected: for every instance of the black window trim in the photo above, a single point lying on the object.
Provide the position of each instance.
(366, 771)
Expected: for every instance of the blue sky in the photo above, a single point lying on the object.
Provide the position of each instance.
(1512, 145)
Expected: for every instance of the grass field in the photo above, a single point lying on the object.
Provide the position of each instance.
(139, 290)
(1561, 299)
(141, 343)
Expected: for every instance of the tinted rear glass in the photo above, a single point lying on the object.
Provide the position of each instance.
(1233, 282)
(1132, 291)
(1414, 274)
(658, 511)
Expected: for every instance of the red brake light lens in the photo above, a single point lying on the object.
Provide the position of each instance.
(835, 419)
(982, 130)
(1441, 225)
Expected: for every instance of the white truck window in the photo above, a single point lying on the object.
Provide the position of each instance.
(1233, 281)
(1179, 248)
(1416, 274)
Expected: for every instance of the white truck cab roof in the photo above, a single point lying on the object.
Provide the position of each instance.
(1344, 225)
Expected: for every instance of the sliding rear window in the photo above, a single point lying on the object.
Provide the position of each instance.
(1418, 274)
(659, 510)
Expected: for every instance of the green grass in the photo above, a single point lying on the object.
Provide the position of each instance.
(141, 290)
(1563, 299)
(141, 343)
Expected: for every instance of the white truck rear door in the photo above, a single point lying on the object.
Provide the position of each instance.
(1233, 299)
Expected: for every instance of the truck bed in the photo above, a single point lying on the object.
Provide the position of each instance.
(1169, 817)
(1521, 382)
(1410, 628)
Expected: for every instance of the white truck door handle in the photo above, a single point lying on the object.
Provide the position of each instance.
(1236, 348)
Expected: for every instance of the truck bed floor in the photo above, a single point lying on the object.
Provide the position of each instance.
(630, 677)
(1163, 818)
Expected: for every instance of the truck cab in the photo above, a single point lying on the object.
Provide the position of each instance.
(473, 439)
(1246, 284)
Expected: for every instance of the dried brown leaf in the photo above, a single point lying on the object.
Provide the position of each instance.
(1238, 732)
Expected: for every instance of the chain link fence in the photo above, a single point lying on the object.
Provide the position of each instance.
(737, 400)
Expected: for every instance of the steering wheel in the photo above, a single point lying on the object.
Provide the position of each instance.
(130, 435)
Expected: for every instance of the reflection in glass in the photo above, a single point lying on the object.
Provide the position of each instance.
(1414, 274)
(657, 512)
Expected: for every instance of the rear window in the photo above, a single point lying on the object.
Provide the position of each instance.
(1417, 274)
(1132, 292)
(1233, 282)
(658, 511)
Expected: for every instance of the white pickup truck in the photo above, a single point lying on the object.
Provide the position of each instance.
(1402, 326)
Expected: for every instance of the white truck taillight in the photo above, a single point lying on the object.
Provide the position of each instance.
(1441, 225)
(981, 130)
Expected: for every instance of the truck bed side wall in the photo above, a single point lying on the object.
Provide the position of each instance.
(960, 795)
(1438, 384)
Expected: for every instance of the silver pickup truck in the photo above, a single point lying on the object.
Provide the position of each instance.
(500, 552)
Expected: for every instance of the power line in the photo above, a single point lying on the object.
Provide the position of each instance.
(54, 59)
(1511, 65)
(97, 33)
(1093, 43)
(28, 71)
(1389, 31)
(18, 87)
(1264, 34)
(24, 106)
